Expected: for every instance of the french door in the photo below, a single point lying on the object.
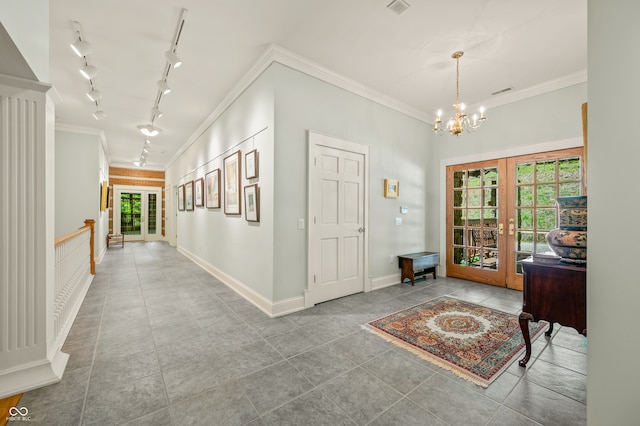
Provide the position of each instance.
(138, 213)
(500, 211)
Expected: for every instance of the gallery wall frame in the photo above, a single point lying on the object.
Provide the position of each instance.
(213, 189)
(391, 188)
(199, 192)
(188, 196)
(181, 197)
(252, 203)
(232, 178)
(251, 164)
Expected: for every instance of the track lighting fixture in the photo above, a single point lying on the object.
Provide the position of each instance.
(88, 71)
(81, 47)
(173, 59)
(155, 112)
(164, 87)
(94, 95)
(148, 130)
(99, 115)
(147, 142)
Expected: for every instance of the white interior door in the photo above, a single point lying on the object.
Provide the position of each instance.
(337, 218)
(138, 213)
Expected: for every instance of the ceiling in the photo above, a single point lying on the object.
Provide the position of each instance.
(406, 58)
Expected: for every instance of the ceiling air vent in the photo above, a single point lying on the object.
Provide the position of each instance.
(506, 89)
(398, 6)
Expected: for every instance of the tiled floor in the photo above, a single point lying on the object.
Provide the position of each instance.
(159, 341)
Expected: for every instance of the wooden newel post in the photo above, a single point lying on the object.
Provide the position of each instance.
(90, 223)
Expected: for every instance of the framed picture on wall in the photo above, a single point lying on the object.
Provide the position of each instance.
(181, 197)
(199, 191)
(188, 195)
(252, 203)
(391, 188)
(213, 189)
(232, 177)
(251, 164)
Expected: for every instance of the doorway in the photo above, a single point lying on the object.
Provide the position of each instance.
(337, 217)
(138, 213)
(500, 211)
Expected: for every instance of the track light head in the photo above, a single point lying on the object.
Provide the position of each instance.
(173, 59)
(94, 95)
(81, 47)
(148, 130)
(88, 71)
(99, 115)
(164, 87)
(156, 113)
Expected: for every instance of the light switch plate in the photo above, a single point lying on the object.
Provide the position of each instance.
(398, 221)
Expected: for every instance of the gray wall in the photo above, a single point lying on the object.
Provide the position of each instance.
(398, 150)
(613, 288)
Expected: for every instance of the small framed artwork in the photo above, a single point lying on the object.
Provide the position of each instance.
(199, 191)
(213, 189)
(188, 195)
(232, 177)
(391, 188)
(181, 197)
(251, 164)
(252, 203)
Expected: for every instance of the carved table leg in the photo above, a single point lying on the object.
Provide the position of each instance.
(549, 331)
(524, 326)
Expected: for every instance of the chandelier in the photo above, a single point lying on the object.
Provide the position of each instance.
(461, 121)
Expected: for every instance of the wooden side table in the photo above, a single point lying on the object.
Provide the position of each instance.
(417, 264)
(555, 293)
(115, 239)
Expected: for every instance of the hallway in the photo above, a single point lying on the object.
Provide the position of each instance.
(159, 341)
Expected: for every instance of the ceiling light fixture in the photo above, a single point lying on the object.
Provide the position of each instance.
(148, 130)
(156, 113)
(173, 59)
(94, 95)
(99, 115)
(460, 122)
(88, 71)
(164, 87)
(81, 47)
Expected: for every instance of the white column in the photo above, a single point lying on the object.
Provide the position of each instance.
(29, 357)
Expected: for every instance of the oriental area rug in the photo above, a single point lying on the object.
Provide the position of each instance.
(472, 341)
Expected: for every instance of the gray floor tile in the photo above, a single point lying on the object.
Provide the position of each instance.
(311, 409)
(545, 406)
(407, 413)
(559, 379)
(399, 371)
(226, 405)
(293, 343)
(161, 417)
(321, 364)
(453, 402)
(361, 346)
(361, 395)
(274, 386)
(505, 416)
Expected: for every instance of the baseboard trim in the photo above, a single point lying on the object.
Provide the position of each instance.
(33, 376)
(382, 282)
(269, 307)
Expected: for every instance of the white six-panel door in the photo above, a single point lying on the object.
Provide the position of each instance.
(337, 217)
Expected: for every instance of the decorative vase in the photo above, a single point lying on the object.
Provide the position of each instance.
(569, 241)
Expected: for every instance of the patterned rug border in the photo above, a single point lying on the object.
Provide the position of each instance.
(442, 363)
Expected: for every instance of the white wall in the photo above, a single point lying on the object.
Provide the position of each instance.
(80, 167)
(398, 150)
(32, 39)
(227, 244)
(613, 288)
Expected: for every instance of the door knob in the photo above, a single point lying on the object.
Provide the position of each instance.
(512, 226)
(501, 228)
(361, 230)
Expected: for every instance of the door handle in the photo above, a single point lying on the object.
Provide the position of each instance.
(512, 227)
(501, 228)
(361, 230)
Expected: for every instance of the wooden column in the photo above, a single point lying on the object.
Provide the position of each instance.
(91, 223)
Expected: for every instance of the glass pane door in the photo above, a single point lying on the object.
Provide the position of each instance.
(130, 213)
(536, 182)
(152, 201)
(474, 198)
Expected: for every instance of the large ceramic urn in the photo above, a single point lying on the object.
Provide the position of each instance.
(569, 241)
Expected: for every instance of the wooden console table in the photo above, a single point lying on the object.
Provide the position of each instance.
(416, 264)
(555, 293)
